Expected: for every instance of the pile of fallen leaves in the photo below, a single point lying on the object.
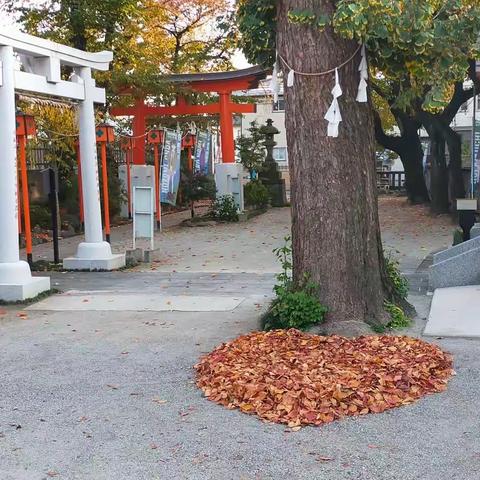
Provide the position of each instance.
(287, 376)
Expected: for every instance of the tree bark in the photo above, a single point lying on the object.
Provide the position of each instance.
(410, 150)
(456, 184)
(335, 232)
(438, 164)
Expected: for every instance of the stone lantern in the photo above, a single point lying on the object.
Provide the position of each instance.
(270, 175)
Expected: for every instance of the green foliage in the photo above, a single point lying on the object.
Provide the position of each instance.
(257, 24)
(225, 209)
(294, 306)
(398, 319)
(256, 194)
(421, 47)
(284, 256)
(294, 309)
(40, 216)
(251, 149)
(198, 187)
(399, 282)
(457, 236)
(307, 17)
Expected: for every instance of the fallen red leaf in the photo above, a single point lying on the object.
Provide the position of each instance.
(290, 377)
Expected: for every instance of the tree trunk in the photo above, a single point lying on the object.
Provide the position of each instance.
(439, 174)
(438, 163)
(412, 160)
(454, 143)
(410, 150)
(335, 231)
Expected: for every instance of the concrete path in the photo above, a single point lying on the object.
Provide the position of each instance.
(409, 232)
(455, 312)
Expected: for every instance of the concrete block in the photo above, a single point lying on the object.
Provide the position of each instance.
(150, 255)
(134, 255)
(113, 262)
(25, 290)
(475, 231)
(74, 300)
(451, 252)
(458, 270)
(455, 312)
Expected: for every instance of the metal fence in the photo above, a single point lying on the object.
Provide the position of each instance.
(390, 180)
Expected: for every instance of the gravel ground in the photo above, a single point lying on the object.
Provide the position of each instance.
(99, 395)
(91, 395)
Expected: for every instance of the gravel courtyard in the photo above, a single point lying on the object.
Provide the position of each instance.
(90, 392)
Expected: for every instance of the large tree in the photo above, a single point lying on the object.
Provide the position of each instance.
(421, 51)
(336, 238)
(336, 235)
(335, 229)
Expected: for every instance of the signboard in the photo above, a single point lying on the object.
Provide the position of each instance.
(202, 153)
(172, 147)
(475, 173)
(143, 214)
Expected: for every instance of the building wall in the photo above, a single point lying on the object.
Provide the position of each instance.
(265, 111)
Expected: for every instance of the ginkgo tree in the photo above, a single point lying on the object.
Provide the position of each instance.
(424, 47)
(418, 51)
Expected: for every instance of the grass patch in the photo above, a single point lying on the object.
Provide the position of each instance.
(29, 301)
(398, 319)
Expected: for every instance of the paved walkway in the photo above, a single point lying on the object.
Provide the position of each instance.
(93, 393)
(409, 232)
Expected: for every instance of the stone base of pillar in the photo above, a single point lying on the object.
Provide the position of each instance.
(94, 256)
(17, 283)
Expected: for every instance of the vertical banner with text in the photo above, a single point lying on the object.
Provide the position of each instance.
(475, 172)
(171, 167)
(202, 153)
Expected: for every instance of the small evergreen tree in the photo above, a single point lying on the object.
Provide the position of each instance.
(198, 187)
(251, 150)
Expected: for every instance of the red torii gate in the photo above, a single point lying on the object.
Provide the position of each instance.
(223, 83)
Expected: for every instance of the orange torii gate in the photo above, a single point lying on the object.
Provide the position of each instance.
(222, 83)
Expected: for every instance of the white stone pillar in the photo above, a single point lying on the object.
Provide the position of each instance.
(16, 281)
(93, 253)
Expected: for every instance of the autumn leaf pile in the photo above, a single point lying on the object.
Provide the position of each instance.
(287, 376)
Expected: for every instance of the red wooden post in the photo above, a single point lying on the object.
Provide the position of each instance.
(139, 126)
(104, 135)
(188, 142)
(226, 129)
(25, 127)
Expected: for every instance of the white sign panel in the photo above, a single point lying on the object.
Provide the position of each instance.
(143, 214)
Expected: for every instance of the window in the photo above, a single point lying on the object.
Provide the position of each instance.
(280, 154)
(280, 105)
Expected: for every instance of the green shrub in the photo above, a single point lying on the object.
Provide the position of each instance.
(40, 216)
(225, 209)
(457, 236)
(256, 194)
(399, 282)
(398, 319)
(197, 186)
(294, 309)
(295, 306)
